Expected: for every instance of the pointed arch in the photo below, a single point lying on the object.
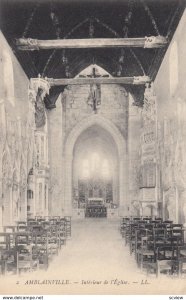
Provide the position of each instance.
(68, 157)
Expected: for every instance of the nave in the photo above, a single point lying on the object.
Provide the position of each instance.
(95, 253)
(93, 128)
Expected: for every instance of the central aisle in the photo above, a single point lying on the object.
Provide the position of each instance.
(95, 251)
(94, 260)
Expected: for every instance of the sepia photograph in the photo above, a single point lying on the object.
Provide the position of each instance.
(92, 143)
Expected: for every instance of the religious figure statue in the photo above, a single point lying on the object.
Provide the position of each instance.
(40, 117)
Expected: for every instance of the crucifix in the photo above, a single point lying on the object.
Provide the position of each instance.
(94, 99)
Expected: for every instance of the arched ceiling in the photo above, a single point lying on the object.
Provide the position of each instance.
(44, 19)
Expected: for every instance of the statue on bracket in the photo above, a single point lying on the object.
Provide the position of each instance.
(40, 117)
(41, 87)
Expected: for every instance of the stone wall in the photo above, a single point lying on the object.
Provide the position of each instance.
(114, 105)
(24, 168)
(111, 114)
(157, 184)
(16, 136)
(170, 90)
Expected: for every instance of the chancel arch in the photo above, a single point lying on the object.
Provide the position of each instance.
(95, 168)
(68, 155)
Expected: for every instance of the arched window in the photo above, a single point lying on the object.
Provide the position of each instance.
(173, 67)
(8, 76)
(95, 162)
(85, 169)
(105, 169)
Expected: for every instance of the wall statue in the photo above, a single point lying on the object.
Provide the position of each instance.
(40, 117)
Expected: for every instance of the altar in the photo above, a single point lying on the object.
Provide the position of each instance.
(95, 208)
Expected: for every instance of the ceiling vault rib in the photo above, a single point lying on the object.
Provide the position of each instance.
(107, 27)
(48, 62)
(147, 9)
(76, 27)
(138, 61)
(66, 36)
(29, 22)
(117, 27)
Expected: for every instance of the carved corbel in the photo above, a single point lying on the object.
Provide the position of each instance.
(41, 84)
(155, 41)
(27, 44)
(141, 80)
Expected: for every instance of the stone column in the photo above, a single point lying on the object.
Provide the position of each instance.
(68, 185)
(40, 87)
(148, 149)
(123, 184)
(134, 132)
(55, 146)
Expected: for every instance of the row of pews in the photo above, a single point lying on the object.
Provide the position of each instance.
(31, 245)
(158, 246)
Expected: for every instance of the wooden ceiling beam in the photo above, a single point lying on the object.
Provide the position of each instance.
(146, 42)
(138, 80)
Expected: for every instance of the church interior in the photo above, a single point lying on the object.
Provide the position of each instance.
(92, 137)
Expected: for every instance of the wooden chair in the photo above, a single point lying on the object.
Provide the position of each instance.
(7, 262)
(167, 260)
(40, 248)
(5, 254)
(68, 225)
(25, 260)
(147, 219)
(3, 265)
(123, 225)
(127, 233)
(182, 260)
(160, 232)
(22, 223)
(132, 236)
(165, 266)
(145, 254)
(61, 232)
(176, 233)
(53, 240)
(23, 250)
(4, 241)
